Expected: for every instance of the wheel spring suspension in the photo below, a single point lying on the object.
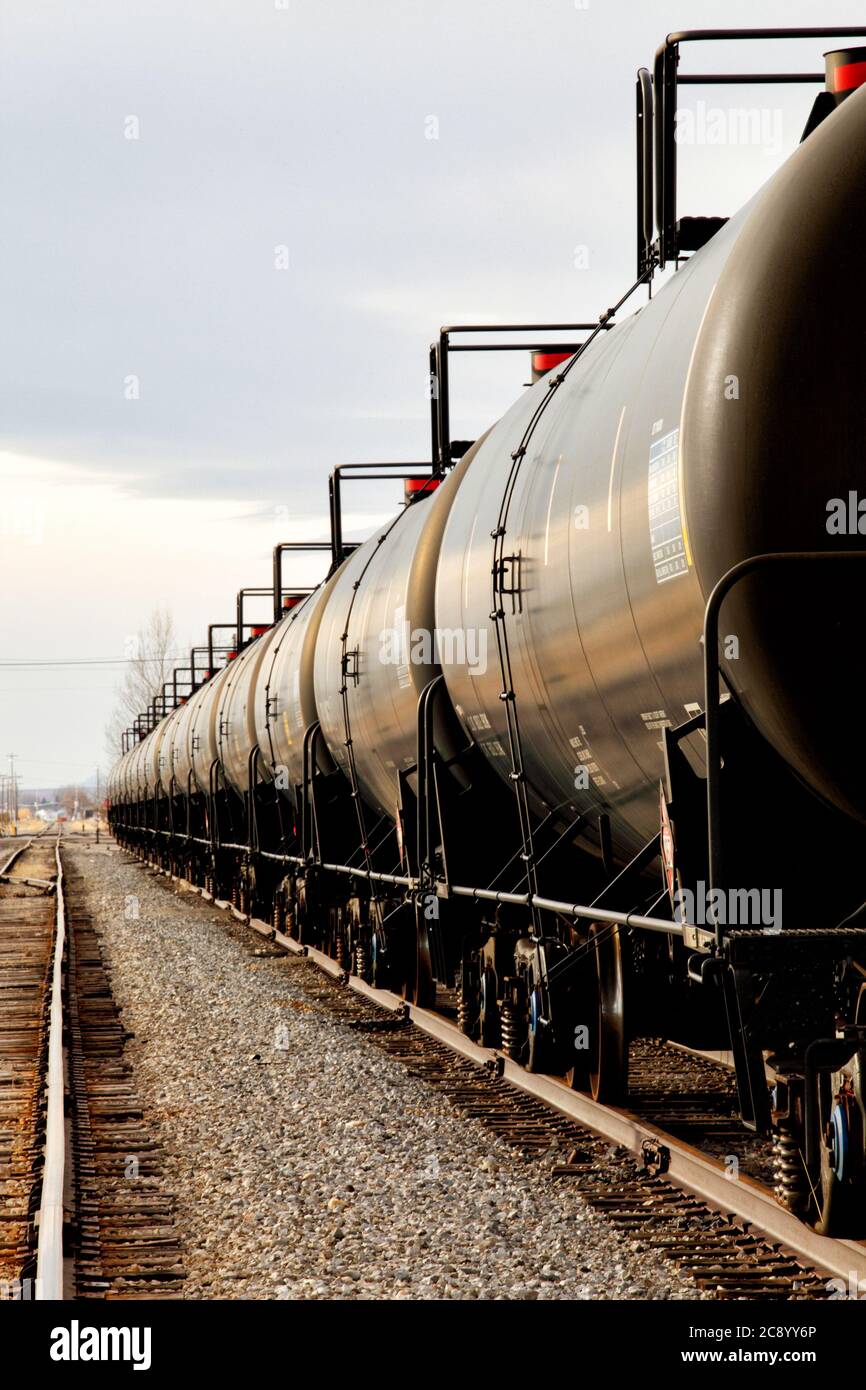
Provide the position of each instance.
(792, 1188)
(509, 1030)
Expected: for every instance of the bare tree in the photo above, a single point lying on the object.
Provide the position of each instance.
(151, 660)
(71, 798)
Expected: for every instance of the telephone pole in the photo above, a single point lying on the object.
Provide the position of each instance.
(13, 792)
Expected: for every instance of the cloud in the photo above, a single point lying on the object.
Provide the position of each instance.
(266, 264)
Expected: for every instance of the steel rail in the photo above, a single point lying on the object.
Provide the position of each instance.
(49, 1256)
(16, 854)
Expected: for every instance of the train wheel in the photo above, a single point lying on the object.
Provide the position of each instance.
(424, 992)
(407, 962)
(608, 1044)
(488, 1013)
(843, 1207)
(843, 1151)
(303, 929)
(379, 972)
(579, 1048)
(539, 1051)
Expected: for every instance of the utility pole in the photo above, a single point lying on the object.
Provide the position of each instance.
(13, 792)
(97, 805)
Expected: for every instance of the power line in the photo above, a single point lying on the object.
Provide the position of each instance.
(59, 690)
(96, 661)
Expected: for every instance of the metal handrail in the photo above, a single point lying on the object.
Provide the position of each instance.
(584, 911)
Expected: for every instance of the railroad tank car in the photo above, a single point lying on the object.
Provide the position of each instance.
(235, 715)
(166, 755)
(377, 649)
(203, 732)
(181, 752)
(525, 753)
(687, 442)
(285, 701)
(137, 786)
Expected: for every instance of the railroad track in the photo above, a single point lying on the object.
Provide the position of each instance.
(676, 1171)
(83, 1210)
(29, 911)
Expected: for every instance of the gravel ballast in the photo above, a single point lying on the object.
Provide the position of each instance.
(304, 1162)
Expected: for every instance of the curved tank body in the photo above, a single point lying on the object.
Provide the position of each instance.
(712, 425)
(203, 746)
(136, 780)
(124, 778)
(151, 766)
(165, 757)
(181, 754)
(235, 721)
(130, 789)
(383, 634)
(285, 699)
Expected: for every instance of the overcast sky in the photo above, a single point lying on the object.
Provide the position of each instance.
(229, 230)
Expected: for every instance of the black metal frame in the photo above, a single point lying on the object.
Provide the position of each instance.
(360, 472)
(212, 650)
(293, 547)
(241, 626)
(657, 108)
(444, 451)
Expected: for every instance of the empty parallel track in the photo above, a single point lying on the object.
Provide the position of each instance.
(84, 1212)
(29, 913)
